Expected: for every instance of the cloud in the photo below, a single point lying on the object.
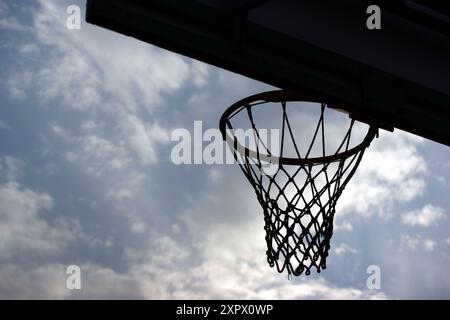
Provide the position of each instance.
(8, 21)
(429, 244)
(86, 69)
(43, 282)
(48, 281)
(392, 171)
(416, 242)
(209, 242)
(216, 250)
(23, 228)
(143, 139)
(30, 224)
(343, 248)
(412, 268)
(10, 168)
(110, 161)
(29, 49)
(139, 227)
(127, 187)
(32, 234)
(18, 84)
(167, 273)
(96, 155)
(344, 226)
(410, 242)
(215, 176)
(200, 73)
(425, 217)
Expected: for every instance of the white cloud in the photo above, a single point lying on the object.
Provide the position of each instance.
(18, 84)
(96, 155)
(31, 232)
(48, 281)
(416, 242)
(410, 241)
(139, 227)
(115, 164)
(41, 282)
(143, 139)
(429, 244)
(217, 251)
(22, 229)
(108, 161)
(198, 101)
(223, 272)
(392, 171)
(60, 131)
(88, 69)
(200, 73)
(127, 187)
(70, 80)
(344, 226)
(116, 161)
(343, 248)
(321, 289)
(425, 217)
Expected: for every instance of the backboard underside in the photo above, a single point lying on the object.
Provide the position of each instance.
(396, 76)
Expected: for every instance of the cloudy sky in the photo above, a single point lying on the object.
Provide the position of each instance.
(86, 178)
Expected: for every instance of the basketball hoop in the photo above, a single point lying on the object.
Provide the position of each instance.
(299, 197)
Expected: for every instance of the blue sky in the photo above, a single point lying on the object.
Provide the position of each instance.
(86, 178)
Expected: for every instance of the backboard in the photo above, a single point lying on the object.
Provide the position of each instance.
(397, 76)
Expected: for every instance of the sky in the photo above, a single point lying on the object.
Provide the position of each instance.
(86, 179)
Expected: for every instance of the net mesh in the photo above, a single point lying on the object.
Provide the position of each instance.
(298, 201)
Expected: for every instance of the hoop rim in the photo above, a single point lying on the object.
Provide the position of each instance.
(285, 96)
